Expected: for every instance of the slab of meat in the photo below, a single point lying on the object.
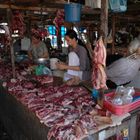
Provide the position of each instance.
(58, 20)
(17, 22)
(99, 63)
(45, 79)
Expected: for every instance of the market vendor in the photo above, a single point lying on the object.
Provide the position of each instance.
(38, 48)
(21, 47)
(78, 59)
(22, 44)
(123, 71)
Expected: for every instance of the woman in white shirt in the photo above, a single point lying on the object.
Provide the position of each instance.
(78, 59)
(73, 60)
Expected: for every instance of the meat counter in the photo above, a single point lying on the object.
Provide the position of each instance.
(23, 124)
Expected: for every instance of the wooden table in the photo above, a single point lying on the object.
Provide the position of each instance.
(129, 123)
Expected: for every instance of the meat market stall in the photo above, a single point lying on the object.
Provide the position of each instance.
(23, 124)
(32, 111)
(43, 108)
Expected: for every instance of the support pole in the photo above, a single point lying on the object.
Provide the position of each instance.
(9, 15)
(103, 33)
(113, 33)
(104, 20)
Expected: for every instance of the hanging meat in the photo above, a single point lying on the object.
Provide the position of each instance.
(58, 20)
(7, 35)
(17, 22)
(99, 63)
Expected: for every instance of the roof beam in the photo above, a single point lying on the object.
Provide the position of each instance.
(31, 8)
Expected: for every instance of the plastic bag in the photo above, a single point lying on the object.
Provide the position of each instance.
(123, 95)
(118, 5)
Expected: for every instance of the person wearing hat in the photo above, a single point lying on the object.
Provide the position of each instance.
(38, 48)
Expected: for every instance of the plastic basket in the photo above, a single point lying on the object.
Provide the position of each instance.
(72, 12)
(121, 109)
(118, 5)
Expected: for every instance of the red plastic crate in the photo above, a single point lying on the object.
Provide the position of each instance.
(121, 109)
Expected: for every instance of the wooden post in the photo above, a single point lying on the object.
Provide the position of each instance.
(113, 33)
(103, 33)
(104, 20)
(28, 27)
(9, 14)
(59, 41)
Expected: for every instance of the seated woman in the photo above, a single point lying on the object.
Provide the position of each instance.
(123, 71)
(79, 62)
(38, 48)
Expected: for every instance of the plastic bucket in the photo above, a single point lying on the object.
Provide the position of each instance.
(72, 12)
(53, 62)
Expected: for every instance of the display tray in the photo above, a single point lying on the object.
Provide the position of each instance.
(122, 109)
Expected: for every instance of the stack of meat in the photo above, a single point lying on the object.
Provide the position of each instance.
(99, 63)
(44, 79)
(5, 71)
(69, 111)
(21, 74)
